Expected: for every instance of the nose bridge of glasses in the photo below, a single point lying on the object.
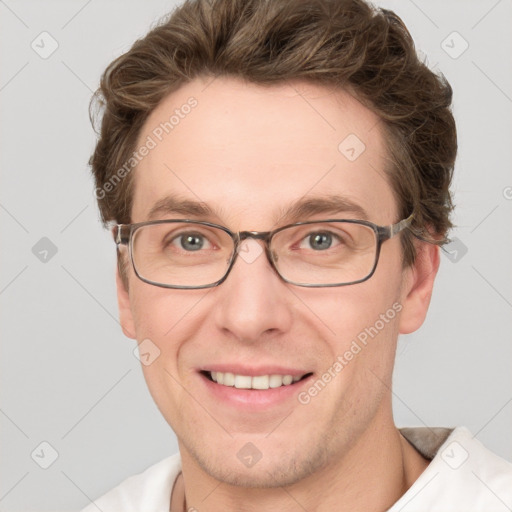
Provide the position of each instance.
(258, 235)
(265, 236)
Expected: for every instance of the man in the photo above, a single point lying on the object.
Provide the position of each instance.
(277, 176)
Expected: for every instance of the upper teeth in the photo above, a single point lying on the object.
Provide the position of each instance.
(248, 382)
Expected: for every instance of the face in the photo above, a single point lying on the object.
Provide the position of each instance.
(250, 152)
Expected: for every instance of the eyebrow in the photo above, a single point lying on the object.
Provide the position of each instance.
(295, 212)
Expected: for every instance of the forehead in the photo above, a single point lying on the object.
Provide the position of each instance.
(247, 151)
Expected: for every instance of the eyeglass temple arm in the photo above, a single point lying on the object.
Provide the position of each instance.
(121, 233)
(387, 232)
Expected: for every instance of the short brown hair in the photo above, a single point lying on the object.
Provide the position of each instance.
(344, 44)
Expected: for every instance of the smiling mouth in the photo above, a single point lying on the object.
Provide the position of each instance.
(260, 382)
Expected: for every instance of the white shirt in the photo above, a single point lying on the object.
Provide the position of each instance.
(463, 476)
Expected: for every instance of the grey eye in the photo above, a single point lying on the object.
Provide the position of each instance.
(191, 242)
(319, 241)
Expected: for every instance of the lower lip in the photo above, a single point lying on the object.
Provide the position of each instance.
(253, 399)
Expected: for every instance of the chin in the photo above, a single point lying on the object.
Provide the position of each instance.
(275, 468)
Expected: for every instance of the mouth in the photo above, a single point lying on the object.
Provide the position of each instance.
(255, 382)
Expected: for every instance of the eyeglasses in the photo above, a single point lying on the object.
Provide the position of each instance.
(189, 254)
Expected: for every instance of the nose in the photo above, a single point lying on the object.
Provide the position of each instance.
(253, 303)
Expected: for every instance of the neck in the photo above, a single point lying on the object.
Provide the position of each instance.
(372, 476)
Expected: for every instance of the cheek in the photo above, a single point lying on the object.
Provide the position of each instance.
(160, 313)
(164, 320)
(358, 326)
(357, 371)
(346, 313)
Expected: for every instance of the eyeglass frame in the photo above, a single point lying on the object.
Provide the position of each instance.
(123, 235)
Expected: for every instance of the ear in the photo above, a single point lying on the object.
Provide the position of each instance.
(417, 287)
(125, 312)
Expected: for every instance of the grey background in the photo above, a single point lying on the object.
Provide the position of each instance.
(68, 375)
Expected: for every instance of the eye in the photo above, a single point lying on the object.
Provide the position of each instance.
(190, 241)
(319, 241)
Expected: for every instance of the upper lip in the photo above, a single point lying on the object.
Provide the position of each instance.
(254, 371)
